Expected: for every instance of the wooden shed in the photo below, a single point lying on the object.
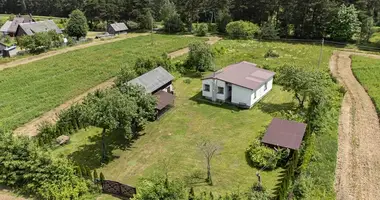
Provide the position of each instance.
(117, 28)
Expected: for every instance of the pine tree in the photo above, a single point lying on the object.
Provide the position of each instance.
(96, 177)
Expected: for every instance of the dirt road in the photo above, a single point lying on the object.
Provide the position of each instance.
(358, 164)
(31, 128)
(65, 50)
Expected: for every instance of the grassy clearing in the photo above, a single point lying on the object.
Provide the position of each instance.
(175, 135)
(367, 71)
(32, 89)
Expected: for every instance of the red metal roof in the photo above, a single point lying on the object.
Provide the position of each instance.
(244, 74)
(164, 99)
(284, 133)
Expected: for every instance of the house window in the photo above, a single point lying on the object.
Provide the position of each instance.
(220, 90)
(206, 88)
(265, 86)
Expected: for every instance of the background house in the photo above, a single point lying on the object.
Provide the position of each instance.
(36, 27)
(117, 28)
(242, 84)
(158, 82)
(10, 27)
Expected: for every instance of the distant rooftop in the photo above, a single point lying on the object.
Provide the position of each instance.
(41, 26)
(119, 26)
(284, 133)
(244, 74)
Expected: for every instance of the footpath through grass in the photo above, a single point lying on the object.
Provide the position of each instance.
(176, 134)
(27, 91)
(367, 71)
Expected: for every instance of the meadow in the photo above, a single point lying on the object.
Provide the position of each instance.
(171, 141)
(367, 71)
(32, 89)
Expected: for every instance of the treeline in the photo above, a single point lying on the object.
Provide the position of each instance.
(298, 18)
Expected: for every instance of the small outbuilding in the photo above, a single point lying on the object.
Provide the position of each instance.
(117, 28)
(10, 51)
(242, 84)
(37, 27)
(285, 134)
(158, 82)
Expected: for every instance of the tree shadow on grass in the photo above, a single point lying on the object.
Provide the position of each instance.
(272, 108)
(196, 178)
(90, 155)
(198, 98)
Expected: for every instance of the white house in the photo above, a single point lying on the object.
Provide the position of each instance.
(242, 84)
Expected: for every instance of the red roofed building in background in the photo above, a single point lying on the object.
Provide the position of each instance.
(242, 84)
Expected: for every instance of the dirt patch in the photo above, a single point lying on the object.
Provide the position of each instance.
(358, 163)
(31, 128)
(65, 50)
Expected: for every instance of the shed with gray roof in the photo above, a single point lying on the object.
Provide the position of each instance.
(10, 27)
(117, 28)
(242, 84)
(37, 27)
(157, 82)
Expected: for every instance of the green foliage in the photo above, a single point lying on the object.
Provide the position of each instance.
(126, 74)
(146, 64)
(262, 156)
(345, 24)
(191, 194)
(95, 175)
(133, 25)
(77, 25)
(271, 54)
(366, 29)
(286, 178)
(101, 177)
(201, 29)
(167, 10)
(268, 31)
(223, 18)
(40, 42)
(159, 187)
(146, 21)
(173, 24)
(200, 57)
(242, 30)
(30, 169)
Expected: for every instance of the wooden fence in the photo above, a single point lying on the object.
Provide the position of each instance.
(116, 188)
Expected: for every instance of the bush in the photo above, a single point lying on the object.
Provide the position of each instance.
(268, 31)
(27, 167)
(77, 25)
(271, 54)
(212, 27)
(200, 57)
(262, 156)
(223, 18)
(242, 29)
(133, 25)
(201, 29)
(173, 24)
(101, 26)
(40, 42)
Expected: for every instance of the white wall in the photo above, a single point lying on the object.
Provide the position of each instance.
(241, 95)
(219, 83)
(260, 93)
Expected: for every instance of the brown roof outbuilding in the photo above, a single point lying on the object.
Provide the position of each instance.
(164, 99)
(284, 133)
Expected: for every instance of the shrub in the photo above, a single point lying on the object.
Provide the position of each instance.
(212, 27)
(40, 42)
(77, 25)
(146, 21)
(223, 18)
(144, 65)
(201, 29)
(133, 25)
(200, 57)
(262, 156)
(271, 54)
(268, 31)
(242, 29)
(173, 24)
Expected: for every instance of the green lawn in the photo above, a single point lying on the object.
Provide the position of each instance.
(175, 135)
(367, 71)
(30, 90)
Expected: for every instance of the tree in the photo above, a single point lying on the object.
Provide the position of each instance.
(146, 21)
(95, 175)
(77, 24)
(173, 24)
(223, 18)
(209, 149)
(110, 110)
(200, 57)
(101, 177)
(345, 24)
(126, 74)
(366, 29)
(242, 30)
(167, 10)
(268, 31)
(160, 187)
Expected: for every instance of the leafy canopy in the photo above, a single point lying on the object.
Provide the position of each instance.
(201, 57)
(77, 24)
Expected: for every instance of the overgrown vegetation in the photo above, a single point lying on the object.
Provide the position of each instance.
(40, 42)
(242, 30)
(200, 57)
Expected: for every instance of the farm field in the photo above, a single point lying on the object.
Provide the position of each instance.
(175, 135)
(367, 71)
(32, 89)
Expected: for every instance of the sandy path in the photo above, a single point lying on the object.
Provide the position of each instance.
(65, 50)
(31, 128)
(358, 164)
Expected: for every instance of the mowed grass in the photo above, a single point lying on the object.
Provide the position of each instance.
(29, 90)
(367, 71)
(174, 137)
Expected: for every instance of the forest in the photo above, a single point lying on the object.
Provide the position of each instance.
(293, 18)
